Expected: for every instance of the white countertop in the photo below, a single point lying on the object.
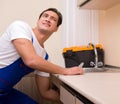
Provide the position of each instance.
(100, 88)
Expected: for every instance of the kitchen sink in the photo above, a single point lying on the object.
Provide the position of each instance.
(107, 70)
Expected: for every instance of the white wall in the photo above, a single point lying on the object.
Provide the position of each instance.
(29, 10)
(81, 26)
(110, 34)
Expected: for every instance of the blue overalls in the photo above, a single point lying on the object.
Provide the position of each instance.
(9, 76)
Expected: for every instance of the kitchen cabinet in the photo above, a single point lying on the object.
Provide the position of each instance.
(70, 96)
(97, 4)
(66, 97)
(95, 87)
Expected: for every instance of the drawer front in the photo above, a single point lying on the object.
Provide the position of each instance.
(66, 97)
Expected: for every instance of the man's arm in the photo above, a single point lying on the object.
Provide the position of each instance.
(29, 56)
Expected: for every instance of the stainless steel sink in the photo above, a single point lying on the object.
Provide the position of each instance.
(107, 70)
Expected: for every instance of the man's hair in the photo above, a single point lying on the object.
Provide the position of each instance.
(57, 12)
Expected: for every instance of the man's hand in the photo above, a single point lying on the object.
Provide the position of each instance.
(74, 71)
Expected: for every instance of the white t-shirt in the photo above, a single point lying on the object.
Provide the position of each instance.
(17, 29)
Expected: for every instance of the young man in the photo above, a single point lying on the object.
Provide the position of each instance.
(22, 51)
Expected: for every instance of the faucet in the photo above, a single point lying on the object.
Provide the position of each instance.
(96, 55)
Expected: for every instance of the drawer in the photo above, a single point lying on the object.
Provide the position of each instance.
(66, 97)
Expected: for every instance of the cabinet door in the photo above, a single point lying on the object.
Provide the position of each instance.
(78, 101)
(66, 97)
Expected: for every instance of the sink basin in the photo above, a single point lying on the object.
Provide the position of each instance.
(108, 70)
(95, 69)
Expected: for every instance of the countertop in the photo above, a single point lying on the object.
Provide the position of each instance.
(100, 88)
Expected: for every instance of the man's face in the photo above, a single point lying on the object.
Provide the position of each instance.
(48, 22)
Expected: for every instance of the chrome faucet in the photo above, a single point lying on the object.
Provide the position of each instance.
(96, 55)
